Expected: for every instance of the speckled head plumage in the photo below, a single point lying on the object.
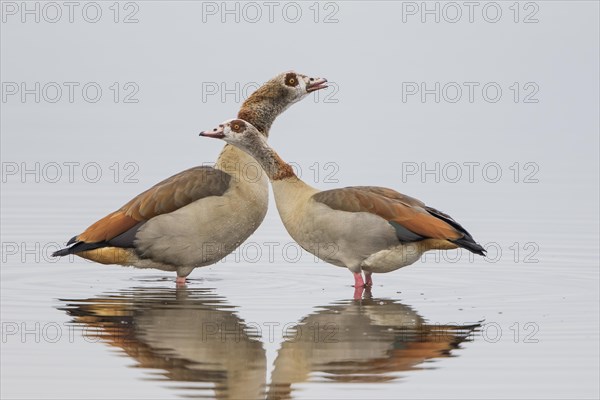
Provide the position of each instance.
(247, 137)
(237, 132)
(275, 96)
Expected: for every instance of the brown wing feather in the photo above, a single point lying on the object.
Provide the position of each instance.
(164, 197)
(391, 194)
(178, 191)
(107, 228)
(392, 206)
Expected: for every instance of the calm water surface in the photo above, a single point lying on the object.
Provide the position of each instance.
(258, 326)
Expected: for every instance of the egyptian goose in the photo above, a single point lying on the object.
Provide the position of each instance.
(198, 216)
(362, 228)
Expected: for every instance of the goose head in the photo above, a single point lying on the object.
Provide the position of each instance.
(241, 134)
(288, 88)
(237, 132)
(301, 85)
(276, 96)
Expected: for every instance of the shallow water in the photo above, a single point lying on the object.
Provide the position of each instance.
(260, 325)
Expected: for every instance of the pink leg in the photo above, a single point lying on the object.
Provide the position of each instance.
(359, 285)
(180, 280)
(368, 279)
(358, 292)
(358, 280)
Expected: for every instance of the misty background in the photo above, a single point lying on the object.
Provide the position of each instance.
(516, 163)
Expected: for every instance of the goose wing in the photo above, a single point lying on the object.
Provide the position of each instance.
(411, 218)
(119, 227)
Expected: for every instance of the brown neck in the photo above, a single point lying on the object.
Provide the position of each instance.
(283, 170)
(273, 165)
(265, 105)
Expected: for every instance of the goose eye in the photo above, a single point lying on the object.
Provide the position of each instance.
(291, 79)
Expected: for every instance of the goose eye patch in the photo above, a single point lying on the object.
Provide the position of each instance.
(291, 79)
(238, 126)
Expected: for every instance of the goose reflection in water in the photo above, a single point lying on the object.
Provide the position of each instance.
(194, 336)
(191, 334)
(361, 341)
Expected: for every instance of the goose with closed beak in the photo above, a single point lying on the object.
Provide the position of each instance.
(362, 228)
(198, 216)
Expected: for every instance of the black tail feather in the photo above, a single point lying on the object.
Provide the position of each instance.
(61, 252)
(79, 247)
(467, 240)
(468, 243)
